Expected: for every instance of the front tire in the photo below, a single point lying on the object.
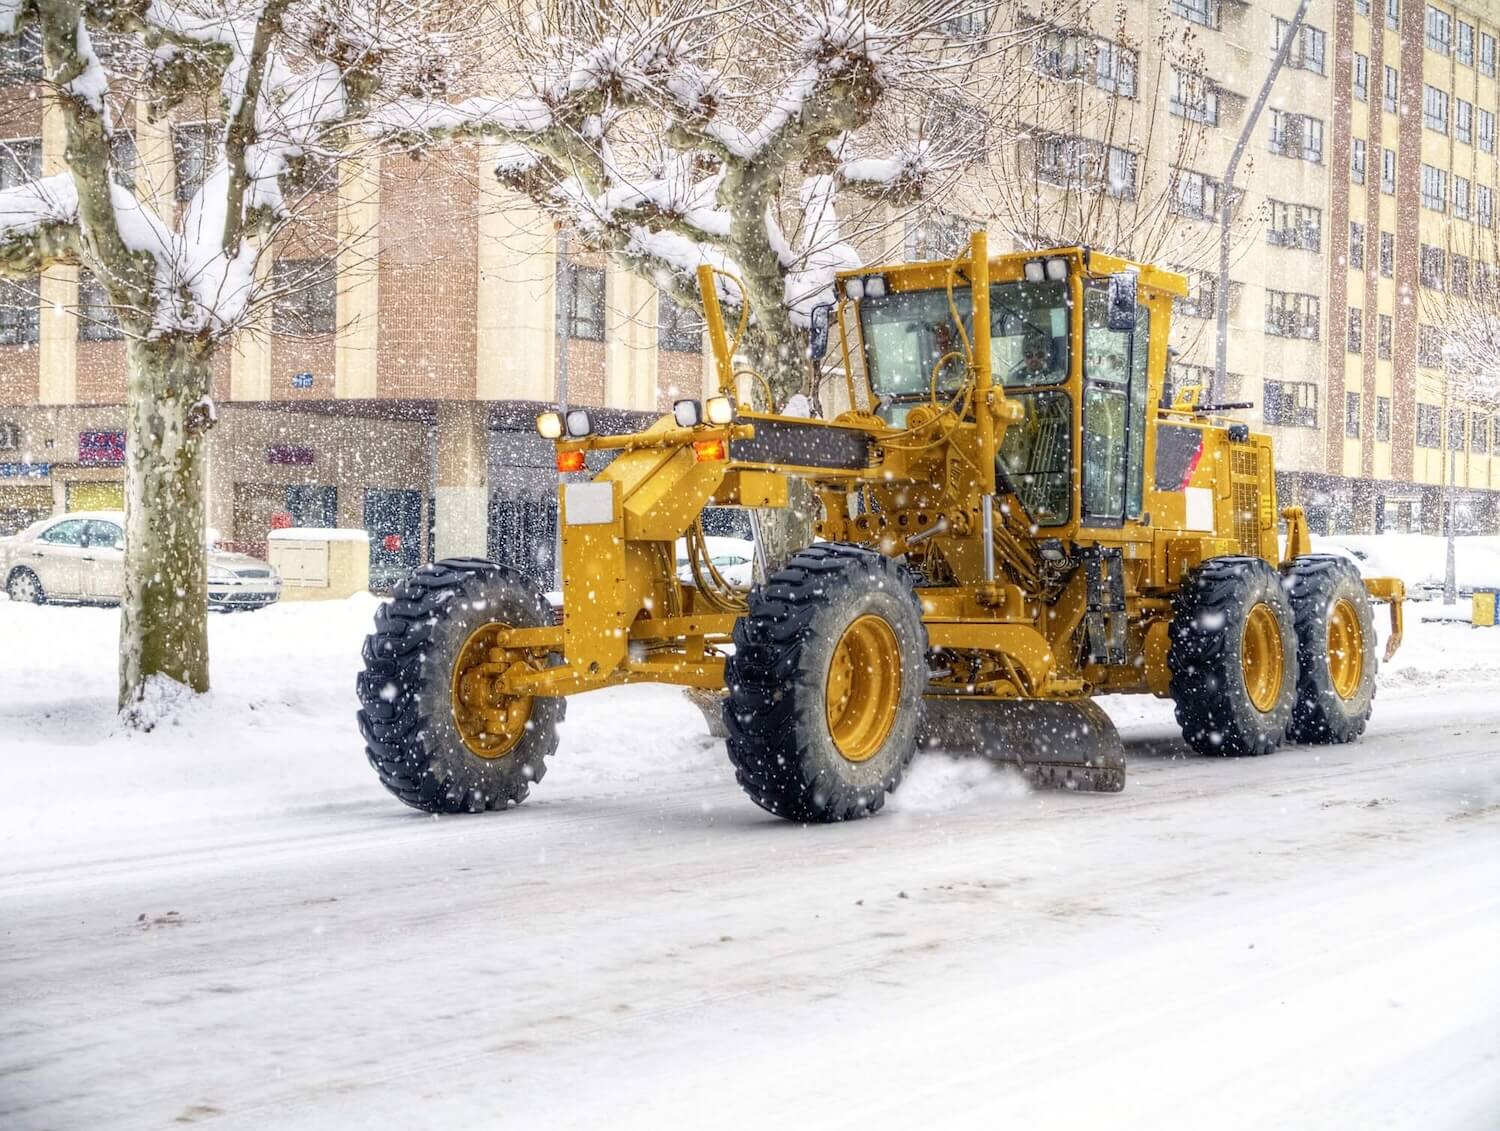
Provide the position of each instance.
(826, 684)
(434, 735)
(1233, 657)
(25, 586)
(1335, 649)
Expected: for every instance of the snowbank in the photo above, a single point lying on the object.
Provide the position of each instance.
(1420, 560)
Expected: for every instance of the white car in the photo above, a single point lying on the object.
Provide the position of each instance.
(81, 557)
(734, 558)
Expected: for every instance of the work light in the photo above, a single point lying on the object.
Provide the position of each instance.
(549, 425)
(1057, 269)
(687, 412)
(854, 289)
(1035, 271)
(874, 286)
(579, 423)
(720, 410)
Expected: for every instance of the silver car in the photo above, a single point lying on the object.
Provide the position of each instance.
(81, 557)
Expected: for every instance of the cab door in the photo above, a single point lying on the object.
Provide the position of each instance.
(104, 561)
(1114, 412)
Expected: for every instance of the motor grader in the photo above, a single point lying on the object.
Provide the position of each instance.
(1011, 518)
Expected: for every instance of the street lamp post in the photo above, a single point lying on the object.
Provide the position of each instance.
(564, 337)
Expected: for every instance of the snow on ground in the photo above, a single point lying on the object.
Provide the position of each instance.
(227, 920)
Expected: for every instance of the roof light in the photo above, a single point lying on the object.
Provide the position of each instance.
(549, 425)
(1057, 269)
(720, 410)
(687, 412)
(580, 424)
(570, 461)
(1035, 271)
(874, 286)
(854, 289)
(706, 450)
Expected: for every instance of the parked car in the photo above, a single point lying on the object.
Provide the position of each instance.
(80, 557)
(733, 557)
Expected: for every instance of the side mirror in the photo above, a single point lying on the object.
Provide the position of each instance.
(1123, 297)
(817, 334)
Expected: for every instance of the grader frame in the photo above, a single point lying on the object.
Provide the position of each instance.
(1052, 515)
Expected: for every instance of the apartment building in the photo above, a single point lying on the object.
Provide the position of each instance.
(394, 389)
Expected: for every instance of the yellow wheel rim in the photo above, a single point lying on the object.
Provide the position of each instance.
(490, 723)
(1261, 658)
(1346, 648)
(864, 687)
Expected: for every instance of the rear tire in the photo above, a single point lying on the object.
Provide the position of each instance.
(838, 623)
(25, 586)
(1335, 649)
(1233, 657)
(407, 713)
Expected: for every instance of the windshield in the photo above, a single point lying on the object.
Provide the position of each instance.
(907, 335)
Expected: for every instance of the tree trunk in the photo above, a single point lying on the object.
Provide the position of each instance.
(776, 354)
(164, 609)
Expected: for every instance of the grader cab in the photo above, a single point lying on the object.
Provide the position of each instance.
(1011, 518)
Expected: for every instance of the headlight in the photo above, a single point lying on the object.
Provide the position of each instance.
(580, 424)
(549, 425)
(687, 412)
(219, 573)
(720, 410)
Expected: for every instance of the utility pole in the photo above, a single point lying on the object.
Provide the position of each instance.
(1226, 206)
(564, 337)
(1450, 465)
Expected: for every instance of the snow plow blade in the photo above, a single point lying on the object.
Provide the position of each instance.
(1056, 744)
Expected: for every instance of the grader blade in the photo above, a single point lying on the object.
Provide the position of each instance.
(1055, 744)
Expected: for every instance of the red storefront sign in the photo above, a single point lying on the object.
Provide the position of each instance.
(101, 449)
(289, 454)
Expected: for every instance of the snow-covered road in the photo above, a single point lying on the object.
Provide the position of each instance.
(227, 922)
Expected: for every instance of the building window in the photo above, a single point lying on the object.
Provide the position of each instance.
(1356, 246)
(1439, 29)
(1486, 131)
(1484, 212)
(679, 328)
(21, 57)
(1202, 292)
(938, 237)
(1392, 96)
(1435, 109)
(1486, 54)
(1383, 419)
(1298, 136)
(20, 311)
(1362, 7)
(1460, 198)
(1351, 415)
(585, 317)
(20, 161)
(1310, 51)
(1292, 315)
(1195, 195)
(1463, 121)
(1463, 46)
(1434, 188)
(306, 297)
(124, 159)
(1205, 12)
(1357, 161)
(960, 126)
(1295, 225)
(1458, 276)
(1114, 68)
(1458, 429)
(1479, 432)
(97, 321)
(970, 24)
(1388, 171)
(1292, 404)
(1356, 337)
(1387, 254)
(1074, 55)
(1393, 14)
(1194, 98)
(1428, 422)
(195, 151)
(1383, 337)
(1361, 76)
(1429, 346)
(1432, 267)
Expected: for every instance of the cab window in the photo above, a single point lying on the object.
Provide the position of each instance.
(68, 533)
(1114, 410)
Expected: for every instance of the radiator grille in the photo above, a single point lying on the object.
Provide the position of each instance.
(1242, 461)
(1246, 527)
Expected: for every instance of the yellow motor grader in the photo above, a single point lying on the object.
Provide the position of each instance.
(1011, 518)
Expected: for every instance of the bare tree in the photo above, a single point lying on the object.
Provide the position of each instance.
(284, 85)
(1460, 336)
